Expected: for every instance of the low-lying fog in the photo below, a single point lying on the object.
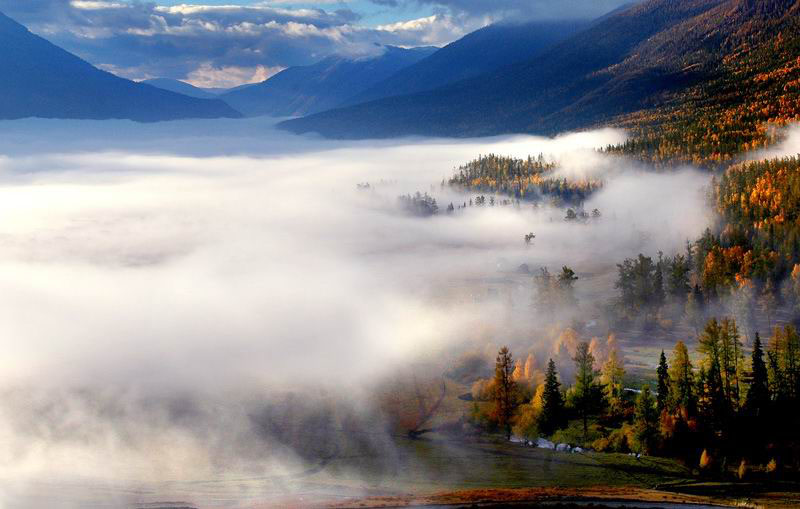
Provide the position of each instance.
(161, 286)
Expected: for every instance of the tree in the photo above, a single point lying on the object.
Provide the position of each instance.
(585, 385)
(757, 400)
(566, 282)
(682, 384)
(611, 378)
(552, 415)
(659, 295)
(731, 361)
(716, 407)
(678, 277)
(646, 421)
(504, 390)
(663, 382)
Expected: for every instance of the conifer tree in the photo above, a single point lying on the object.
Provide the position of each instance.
(663, 383)
(584, 383)
(758, 394)
(646, 420)
(552, 416)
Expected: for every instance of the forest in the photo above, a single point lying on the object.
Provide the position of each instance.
(729, 412)
(526, 179)
(753, 90)
(724, 401)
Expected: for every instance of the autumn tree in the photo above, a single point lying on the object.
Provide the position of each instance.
(681, 380)
(611, 379)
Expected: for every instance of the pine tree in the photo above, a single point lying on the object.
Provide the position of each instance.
(758, 394)
(584, 383)
(552, 416)
(663, 382)
(504, 390)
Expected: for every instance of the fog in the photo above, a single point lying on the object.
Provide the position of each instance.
(163, 286)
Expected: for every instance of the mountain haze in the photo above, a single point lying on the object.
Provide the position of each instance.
(39, 79)
(327, 84)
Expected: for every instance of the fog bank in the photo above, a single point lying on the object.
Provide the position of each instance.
(163, 294)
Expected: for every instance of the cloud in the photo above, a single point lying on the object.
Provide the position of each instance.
(518, 9)
(143, 39)
(208, 76)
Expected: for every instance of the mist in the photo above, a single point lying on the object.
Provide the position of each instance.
(162, 296)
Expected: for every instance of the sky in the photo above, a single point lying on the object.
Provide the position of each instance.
(225, 43)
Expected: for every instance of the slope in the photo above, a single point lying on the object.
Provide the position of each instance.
(321, 86)
(484, 50)
(179, 87)
(39, 79)
(628, 61)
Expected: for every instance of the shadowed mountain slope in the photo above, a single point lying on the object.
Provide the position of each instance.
(40, 79)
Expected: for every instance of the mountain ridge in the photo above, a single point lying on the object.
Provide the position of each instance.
(326, 84)
(628, 61)
(42, 80)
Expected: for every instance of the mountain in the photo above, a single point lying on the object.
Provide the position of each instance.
(639, 59)
(180, 87)
(39, 79)
(321, 86)
(478, 52)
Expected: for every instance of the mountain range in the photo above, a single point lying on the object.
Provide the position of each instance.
(39, 79)
(318, 87)
(478, 52)
(633, 60)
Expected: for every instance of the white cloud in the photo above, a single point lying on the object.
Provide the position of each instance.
(208, 76)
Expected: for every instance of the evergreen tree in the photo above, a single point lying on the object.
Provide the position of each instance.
(585, 385)
(504, 390)
(646, 421)
(758, 394)
(716, 408)
(552, 416)
(663, 382)
(659, 295)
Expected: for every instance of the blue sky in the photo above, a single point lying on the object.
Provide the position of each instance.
(224, 43)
